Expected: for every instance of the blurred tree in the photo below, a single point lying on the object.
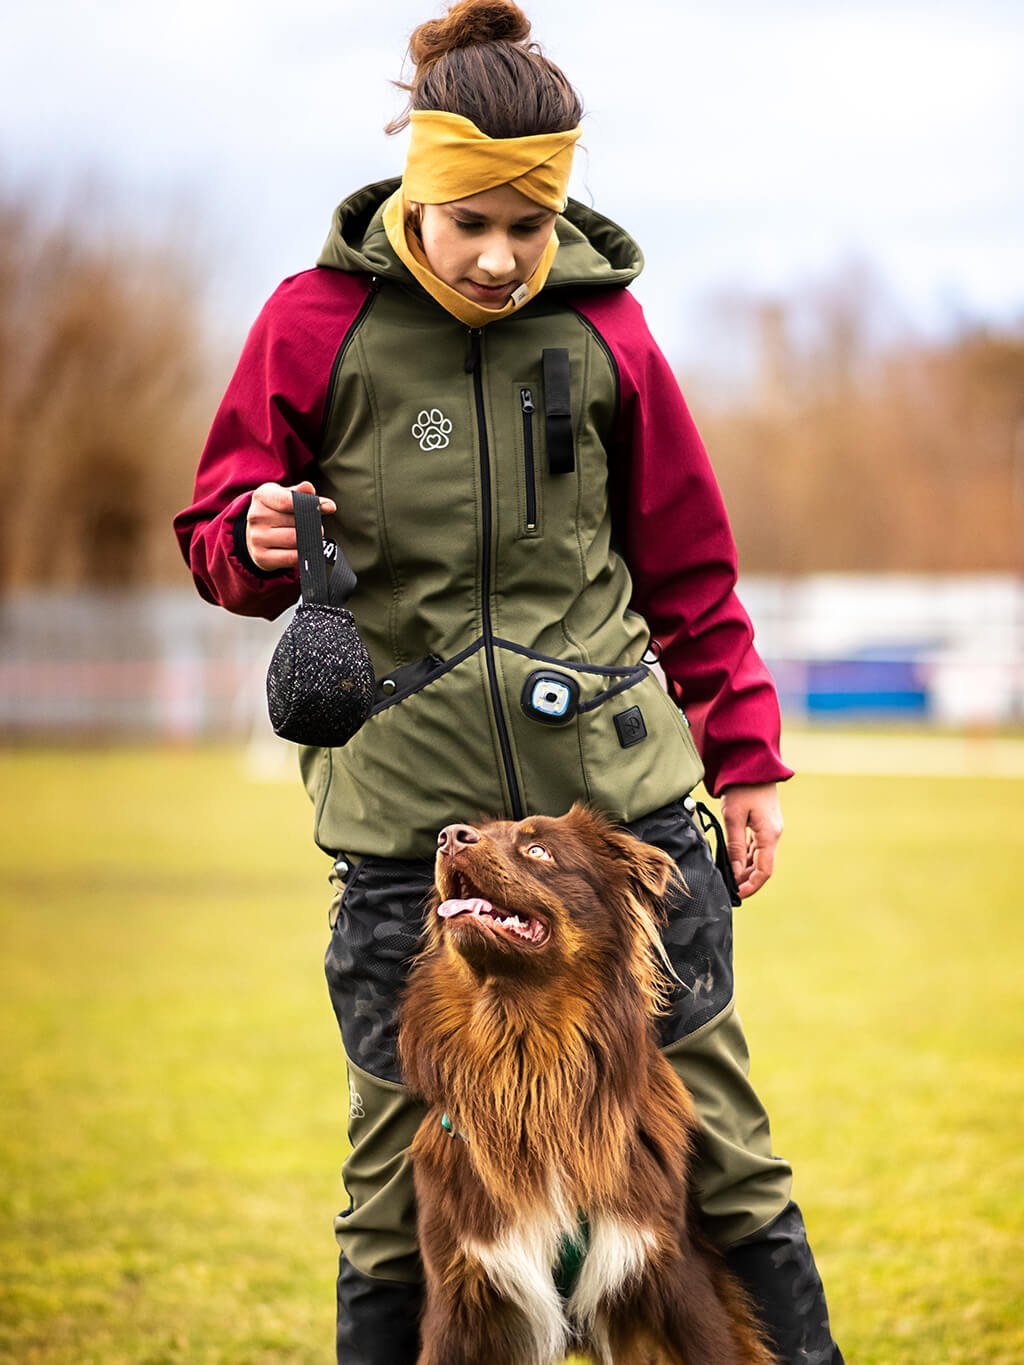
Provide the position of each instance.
(104, 398)
(847, 450)
(848, 444)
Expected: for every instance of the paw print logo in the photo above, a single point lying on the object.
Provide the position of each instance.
(432, 429)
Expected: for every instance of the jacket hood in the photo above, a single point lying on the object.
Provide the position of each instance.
(592, 250)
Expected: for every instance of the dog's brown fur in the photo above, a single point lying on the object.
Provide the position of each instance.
(544, 1058)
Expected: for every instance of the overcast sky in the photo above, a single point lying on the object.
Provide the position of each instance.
(744, 144)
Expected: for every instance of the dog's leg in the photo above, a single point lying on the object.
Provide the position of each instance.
(470, 1323)
(694, 1313)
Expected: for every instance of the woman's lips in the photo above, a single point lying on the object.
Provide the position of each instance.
(487, 293)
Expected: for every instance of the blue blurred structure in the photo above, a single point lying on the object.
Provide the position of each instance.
(944, 649)
(842, 648)
(854, 689)
(868, 686)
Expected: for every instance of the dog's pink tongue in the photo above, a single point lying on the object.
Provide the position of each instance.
(448, 909)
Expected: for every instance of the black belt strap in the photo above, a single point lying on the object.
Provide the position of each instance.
(558, 411)
(316, 586)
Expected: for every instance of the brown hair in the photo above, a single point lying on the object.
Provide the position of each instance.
(478, 62)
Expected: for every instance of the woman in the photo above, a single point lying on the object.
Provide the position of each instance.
(504, 455)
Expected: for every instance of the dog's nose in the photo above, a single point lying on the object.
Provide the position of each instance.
(454, 837)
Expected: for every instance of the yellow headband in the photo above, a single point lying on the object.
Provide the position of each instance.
(450, 158)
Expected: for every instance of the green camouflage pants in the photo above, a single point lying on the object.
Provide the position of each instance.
(378, 915)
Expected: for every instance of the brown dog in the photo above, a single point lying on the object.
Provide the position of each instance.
(551, 1170)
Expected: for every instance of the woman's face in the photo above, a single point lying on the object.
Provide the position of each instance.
(486, 245)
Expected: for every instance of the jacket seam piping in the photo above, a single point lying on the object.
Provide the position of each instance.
(339, 355)
(444, 668)
(610, 692)
(378, 489)
(613, 366)
(581, 558)
(601, 670)
(327, 760)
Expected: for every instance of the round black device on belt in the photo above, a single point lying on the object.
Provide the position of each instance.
(550, 697)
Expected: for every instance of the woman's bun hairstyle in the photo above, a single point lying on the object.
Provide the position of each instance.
(467, 23)
(478, 62)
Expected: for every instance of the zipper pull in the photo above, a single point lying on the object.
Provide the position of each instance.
(526, 398)
(473, 350)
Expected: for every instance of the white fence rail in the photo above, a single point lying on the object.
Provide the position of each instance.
(163, 664)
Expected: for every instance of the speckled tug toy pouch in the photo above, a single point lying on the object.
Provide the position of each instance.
(320, 684)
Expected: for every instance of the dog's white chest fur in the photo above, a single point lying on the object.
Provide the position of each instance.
(521, 1265)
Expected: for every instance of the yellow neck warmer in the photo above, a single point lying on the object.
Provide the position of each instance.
(450, 158)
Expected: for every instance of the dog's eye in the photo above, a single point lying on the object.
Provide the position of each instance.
(538, 851)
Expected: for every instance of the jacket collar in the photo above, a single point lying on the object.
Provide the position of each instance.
(592, 250)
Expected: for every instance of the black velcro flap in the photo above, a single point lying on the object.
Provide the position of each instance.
(558, 411)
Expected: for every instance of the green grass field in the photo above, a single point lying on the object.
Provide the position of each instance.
(173, 1094)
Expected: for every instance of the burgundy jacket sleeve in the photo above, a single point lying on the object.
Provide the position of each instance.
(682, 557)
(267, 429)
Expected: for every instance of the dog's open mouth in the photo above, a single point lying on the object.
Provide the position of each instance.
(512, 923)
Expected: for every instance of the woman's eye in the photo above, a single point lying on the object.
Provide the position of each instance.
(466, 227)
(538, 851)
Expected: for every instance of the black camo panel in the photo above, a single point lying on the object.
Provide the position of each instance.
(374, 940)
(698, 936)
(778, 1270)
(380, 919)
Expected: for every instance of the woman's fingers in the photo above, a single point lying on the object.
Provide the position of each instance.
(270, 524)
(274, 537)
(275, 500)
(753, 825)
(762, 840)
(271, 560)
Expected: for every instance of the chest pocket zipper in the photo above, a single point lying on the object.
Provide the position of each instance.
(526, 402)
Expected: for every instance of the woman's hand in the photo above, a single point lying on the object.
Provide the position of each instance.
(270, 525)
(753, 827)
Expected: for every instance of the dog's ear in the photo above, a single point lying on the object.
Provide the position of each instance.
(649, 872)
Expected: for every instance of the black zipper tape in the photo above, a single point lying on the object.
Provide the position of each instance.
(526, 401)
(474, 365)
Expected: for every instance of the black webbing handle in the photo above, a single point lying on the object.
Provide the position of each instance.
(317, 587)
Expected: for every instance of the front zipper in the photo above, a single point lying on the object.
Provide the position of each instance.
(526, 399)
(474, 366)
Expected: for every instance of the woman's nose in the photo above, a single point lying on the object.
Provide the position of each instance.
(498, 259)
(454, 837)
